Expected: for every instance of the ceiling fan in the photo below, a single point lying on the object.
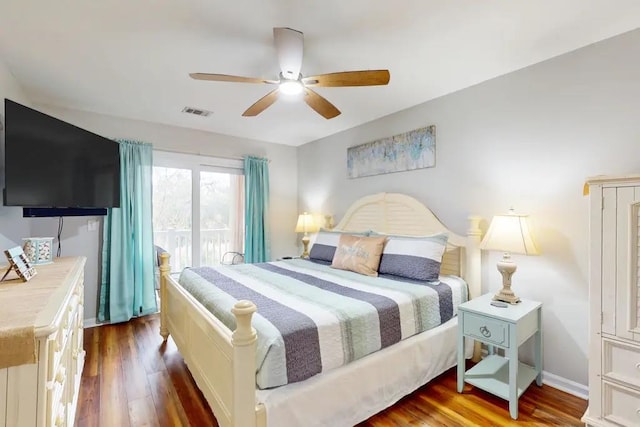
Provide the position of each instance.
(289, 47)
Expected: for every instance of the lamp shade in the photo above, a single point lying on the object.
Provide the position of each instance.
(510, 233)
(306, 224)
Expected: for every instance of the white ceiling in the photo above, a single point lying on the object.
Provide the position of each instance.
(131, 58)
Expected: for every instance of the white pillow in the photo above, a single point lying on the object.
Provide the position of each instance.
(417, 258)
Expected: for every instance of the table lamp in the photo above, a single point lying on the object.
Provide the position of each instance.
(510, 234)
(306, 224)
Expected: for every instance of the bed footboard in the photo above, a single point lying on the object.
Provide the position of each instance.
(222, 362)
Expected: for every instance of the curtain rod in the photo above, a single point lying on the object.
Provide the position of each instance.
(205, 155)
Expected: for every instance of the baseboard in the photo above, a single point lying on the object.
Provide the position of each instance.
(92, 323)
(563, 384)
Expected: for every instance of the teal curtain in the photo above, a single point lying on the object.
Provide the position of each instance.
(127, 287)
(256, 212)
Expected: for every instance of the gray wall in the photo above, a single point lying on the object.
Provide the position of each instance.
(528, 140)
(12, 226)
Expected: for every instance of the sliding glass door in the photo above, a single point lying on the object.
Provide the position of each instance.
(199, 190)
(221, 215)
(172, 214)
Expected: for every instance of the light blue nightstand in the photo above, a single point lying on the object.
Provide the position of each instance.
(505, 328)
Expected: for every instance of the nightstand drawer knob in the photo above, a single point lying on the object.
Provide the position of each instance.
(638, 365)
(485, 331)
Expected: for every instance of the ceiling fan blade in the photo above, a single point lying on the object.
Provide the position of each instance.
(262, 103)
(228, 78)
(320, 104)
(289, 47)
(349, 78)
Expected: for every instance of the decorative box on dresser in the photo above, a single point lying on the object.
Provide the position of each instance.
(44, 391)
(614, 298)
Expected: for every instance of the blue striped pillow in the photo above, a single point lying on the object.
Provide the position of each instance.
(325, 244)
(417, 258)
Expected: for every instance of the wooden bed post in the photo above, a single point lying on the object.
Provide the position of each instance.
(165, 269)
(473, 275)
(244, 340)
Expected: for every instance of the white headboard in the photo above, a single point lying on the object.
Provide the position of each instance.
(395, 213)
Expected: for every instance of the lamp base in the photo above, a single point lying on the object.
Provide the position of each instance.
(506, 267)
(505, 297)
(305, 243)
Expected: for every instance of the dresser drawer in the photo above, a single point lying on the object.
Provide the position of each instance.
(485, 329)
(621, 361)
(621, 405)
(55, 348)
(55, 394)
(58, 418)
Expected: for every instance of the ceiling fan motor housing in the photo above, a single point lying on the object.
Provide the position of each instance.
(289, 47)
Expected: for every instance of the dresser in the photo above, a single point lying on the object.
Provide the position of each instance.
(614, 299)
(45, 315)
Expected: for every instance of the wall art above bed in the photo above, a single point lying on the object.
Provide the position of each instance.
(415, 149)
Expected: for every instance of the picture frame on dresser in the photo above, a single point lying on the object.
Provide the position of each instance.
(19, 263)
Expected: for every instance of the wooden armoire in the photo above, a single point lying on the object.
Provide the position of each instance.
(614, 294)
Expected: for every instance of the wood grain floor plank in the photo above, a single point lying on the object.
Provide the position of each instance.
(114, 408)
(168, 408)
(148, 342)
(114, 393)
(142, 412)
(190, 396)
(136, 385)
(87, 414)
(92, 358)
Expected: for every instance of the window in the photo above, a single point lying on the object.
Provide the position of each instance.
(206, 191)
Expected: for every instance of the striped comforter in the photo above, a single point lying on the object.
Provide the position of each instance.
(312, 318)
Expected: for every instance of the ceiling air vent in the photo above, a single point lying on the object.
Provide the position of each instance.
(197, 111)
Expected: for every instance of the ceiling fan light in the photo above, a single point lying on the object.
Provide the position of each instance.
(291, 87)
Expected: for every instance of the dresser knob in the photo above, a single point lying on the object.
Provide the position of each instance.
(60, 376)
(638, 365)
(485, 331)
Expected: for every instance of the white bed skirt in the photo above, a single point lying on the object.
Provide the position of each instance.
(353, 393)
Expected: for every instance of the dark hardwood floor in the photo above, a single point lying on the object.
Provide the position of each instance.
(132, 379)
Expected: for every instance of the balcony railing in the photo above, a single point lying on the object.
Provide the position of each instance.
(214, 243)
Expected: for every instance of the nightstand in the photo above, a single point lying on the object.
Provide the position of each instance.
(505, 328)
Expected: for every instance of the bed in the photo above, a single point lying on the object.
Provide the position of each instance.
(223, 362)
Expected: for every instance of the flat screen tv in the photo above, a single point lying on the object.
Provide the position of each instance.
(53, 164)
